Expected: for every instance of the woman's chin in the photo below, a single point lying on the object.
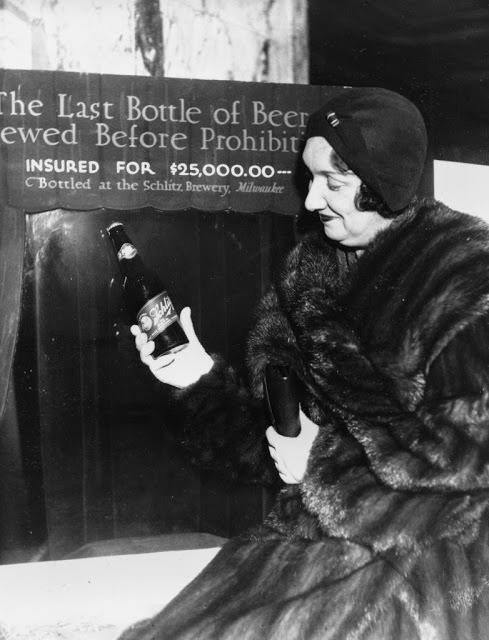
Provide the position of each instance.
(332, 232)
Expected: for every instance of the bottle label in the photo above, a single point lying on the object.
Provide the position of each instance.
(156, 315)
(127, 251)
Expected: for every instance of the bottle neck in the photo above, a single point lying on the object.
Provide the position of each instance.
(130, 262)
(119, 237)
(123, 245)
(126, 252)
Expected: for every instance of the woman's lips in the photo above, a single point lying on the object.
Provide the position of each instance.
(326, 218)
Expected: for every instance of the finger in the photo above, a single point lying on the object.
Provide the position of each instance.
(273, 436)
(147, 349)
(308, 427)
(163, 361)
(273, 454)
(310, 432)
(285, 473)
(275, 439)
(269, 434)
(140, 340)
(305, 420)
(287, 478)
(188, 325)
(135, 330)
(279, 463)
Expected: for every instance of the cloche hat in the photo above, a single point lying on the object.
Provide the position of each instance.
(380, 135)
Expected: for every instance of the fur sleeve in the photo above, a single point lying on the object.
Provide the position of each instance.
(223, 428)
(274, 336)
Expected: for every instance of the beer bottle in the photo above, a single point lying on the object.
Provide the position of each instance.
(281, 388)
(145, 296)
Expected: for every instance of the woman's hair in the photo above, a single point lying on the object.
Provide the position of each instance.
(366, 199)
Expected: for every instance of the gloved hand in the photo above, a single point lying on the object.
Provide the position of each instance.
(290, 455)
(179, 369)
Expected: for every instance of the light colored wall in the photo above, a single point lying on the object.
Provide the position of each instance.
(252, 40)
(69, 35)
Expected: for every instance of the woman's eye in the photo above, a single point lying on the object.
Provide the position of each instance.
(334, 187)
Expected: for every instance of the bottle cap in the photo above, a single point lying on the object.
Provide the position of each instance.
(114, 224)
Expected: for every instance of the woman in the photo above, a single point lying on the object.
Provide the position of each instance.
(381, 529)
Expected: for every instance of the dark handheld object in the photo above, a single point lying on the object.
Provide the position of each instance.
(282, 399)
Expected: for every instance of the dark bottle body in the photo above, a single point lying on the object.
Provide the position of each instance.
(282, 399)
(146, 298)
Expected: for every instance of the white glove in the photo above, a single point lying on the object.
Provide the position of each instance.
(290, 455)
(179, 369)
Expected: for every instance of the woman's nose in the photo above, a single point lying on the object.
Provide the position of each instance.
(315, 199)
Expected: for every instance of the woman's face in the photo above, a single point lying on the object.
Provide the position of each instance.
(332, 195)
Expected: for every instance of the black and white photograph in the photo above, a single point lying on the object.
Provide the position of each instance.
(244, 320)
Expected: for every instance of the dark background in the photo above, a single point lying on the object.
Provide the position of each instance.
(435, 52)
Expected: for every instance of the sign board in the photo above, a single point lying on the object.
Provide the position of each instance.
(86, 141)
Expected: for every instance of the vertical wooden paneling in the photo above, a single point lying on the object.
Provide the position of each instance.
(155, 490)
(13, 496)
(249, 249)
(11, 270)
(244, 287)
(110, 467)
(230, 287)
(243, 281)
(25, 378)
(214, 334)
(13, 491)
(57, 325)
(212, 302)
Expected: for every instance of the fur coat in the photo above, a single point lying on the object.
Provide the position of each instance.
(387, 537)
